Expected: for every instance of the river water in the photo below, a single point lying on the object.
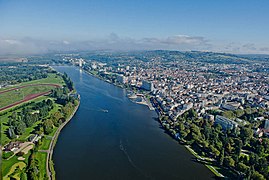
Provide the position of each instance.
(112, 138)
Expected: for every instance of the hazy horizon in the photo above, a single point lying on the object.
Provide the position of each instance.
(33, 27)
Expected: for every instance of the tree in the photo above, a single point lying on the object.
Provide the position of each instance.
(228, 161)
(242, 167)
(253, 159)
(207, 132)
(20, 127)
(246, 134)
(239, 112)
(48, 126)
(192, 114)
(263, 166)
(228, 114)
(221, 157)
(228, 148)
(238, 146)
(33, 172)
(11, 133)
(265, 143)
(257, 176)
(214, 151)
(56, 117)
(49, 102)
(260, 150)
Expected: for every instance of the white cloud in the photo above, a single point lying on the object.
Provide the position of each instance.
(115, 42)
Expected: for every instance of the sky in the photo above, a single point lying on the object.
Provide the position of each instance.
(40, 26)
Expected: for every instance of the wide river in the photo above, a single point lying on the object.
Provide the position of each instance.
(112, 138)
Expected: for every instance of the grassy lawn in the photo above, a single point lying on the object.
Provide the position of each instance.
(28, 130)
(21, 165)
(42, 157)
(17, 95)
(52, 79)
(45, 143)
(7, 164)
(212, 168)
(94, 72)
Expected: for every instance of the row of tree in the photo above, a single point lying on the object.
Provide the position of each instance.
(22, 73)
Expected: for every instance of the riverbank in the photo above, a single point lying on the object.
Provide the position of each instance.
(49, 162)
(204, 160)
(144, 102)
(128, 135)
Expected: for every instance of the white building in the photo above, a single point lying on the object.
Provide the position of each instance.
(225, 123)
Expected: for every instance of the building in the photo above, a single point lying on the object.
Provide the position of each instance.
(225, 123)
(122, 79)
(147, 85)
(266, 124)
(81, 61)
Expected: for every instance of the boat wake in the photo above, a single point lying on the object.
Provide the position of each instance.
(98, 110)
(124, 150)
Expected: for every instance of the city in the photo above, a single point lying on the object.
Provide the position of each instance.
(231, 96)
(134, 90)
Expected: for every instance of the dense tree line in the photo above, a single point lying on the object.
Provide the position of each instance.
(22, 73)
(68, 82)
(210, 140)
(19, 121)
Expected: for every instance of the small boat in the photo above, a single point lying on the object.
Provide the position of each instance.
(104, 110)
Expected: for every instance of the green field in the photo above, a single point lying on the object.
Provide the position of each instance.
(41, 157)
(45, 143)
(17, 95)
(13, 96)
(7, 164)
(51, 79)
(13, 173)
(28, 130)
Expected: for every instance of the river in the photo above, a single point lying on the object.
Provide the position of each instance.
(112, 138)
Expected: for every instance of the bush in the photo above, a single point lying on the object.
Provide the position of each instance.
(20, 153)
(6, 155)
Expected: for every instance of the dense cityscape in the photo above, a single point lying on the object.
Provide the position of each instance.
(219, 109)
(134, 90)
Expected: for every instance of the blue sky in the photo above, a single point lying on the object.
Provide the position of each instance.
(238, 26)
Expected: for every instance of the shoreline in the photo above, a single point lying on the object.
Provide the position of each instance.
(209, 167)
(145, 102)
(53, 142)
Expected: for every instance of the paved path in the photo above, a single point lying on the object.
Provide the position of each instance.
(53, 142)
(23, 145)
